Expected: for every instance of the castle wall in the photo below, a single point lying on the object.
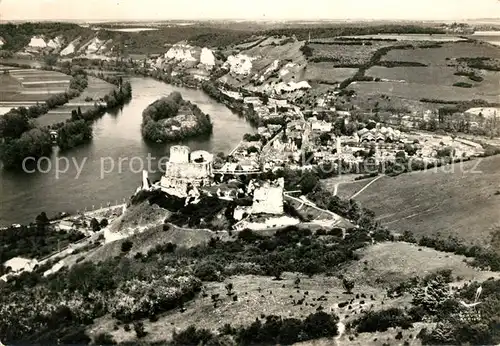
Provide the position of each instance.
(188, 170)
(268, 200)
(179, 154)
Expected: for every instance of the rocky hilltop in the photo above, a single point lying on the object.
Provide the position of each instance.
(268, 64)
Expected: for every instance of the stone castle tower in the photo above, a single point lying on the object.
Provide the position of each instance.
(186, 169)
(179, 154)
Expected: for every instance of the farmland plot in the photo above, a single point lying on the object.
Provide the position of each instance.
(96, 90)
(24, 86)
(438, 56)
(461, 202)
(345, 54)
(415, 91)
(326, 72)
(431, 75)
(410, 37)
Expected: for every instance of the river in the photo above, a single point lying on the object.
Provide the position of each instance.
(492, 37)
(24, 195)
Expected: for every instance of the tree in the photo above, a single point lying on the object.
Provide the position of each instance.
(74, 133)
(348, 285)
(410, 149)
(276, 271)
(308, 182)
(325, 138)
(126, 246)
(94, 224)
(400, 155)
(104, 339)
(13, 124)
(306, 50)
(104, 223)
(340, 127)
(252, 149)
(229, 288)
(50, 60)
(42, 220)
(139, 330)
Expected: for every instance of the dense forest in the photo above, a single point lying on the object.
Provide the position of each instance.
(162, 121)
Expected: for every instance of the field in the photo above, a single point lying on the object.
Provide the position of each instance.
(324, 71)
(26, 87)
(441, 77)
(461, 202)
(256, 296)
(340, 54)
(387, 264)
(434, 81)
(96, 90)
(410, 37)
(346, 188)
(431, 75)
(23, 87)
(437, 56)
(380, 266)
(415, 91)
(60, 114)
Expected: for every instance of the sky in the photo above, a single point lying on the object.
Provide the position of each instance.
(247, 9)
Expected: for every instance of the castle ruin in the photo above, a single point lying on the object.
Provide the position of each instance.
(186, 170)
(268, 197)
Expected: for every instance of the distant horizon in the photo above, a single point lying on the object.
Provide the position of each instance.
(256, 10)
(188, 20)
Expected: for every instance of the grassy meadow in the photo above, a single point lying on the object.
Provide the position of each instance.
(462, 203)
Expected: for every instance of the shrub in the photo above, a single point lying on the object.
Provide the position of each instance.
(104, 223)
(462, 85)
(380, 321)
(192, 336)
(348, 285)
(207, 271)
(289, 330)
(104, 339)
(126, 246)
(249, 235)
(139, 330)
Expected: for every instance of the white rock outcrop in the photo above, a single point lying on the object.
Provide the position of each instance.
(37, 42)
(70, 48)
(285, 70)
(288, 87)
(94, 46)
(180, 52)
(273, 67)
(207, 57)
(55, 43)
(240, 64)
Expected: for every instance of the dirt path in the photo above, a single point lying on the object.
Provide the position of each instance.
(336, 188)
(366, 186)
(341, 330)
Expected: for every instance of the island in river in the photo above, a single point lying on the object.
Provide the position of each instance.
(172, 118)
